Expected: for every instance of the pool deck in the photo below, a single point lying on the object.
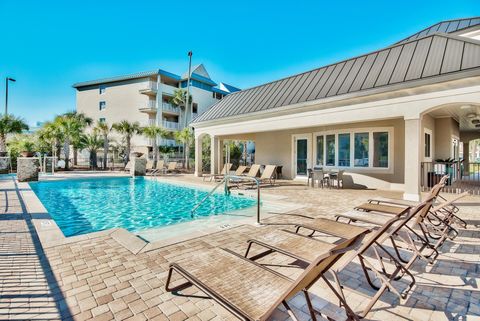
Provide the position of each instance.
(113, 275)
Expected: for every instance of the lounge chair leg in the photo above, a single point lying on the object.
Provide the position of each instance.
(310, 306)
(290, 311)
(350, 314)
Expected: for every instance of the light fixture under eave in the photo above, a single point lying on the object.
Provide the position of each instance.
(471, 115)
(465, 107)
(475, 121)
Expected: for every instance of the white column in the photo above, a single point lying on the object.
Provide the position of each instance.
(215, 154)
(412, 159)
(198, 156)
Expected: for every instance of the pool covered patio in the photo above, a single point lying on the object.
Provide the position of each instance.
(101, 276)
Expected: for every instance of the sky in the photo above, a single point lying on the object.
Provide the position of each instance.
(49, 45)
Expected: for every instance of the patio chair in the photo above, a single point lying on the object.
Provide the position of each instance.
(269, 175)
(172, 167)
(159, 168)
(415, 236)
(252, 172)
(337, 177)
(303, 248)
(438, 221)
(149, 166)
(240, 170)
(446, 214)
(225, 170)
(251, 291)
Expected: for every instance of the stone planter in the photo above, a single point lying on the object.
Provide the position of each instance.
(139, 166)
(27, 169)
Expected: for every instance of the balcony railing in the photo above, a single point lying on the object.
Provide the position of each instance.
(171, 125)
(149, 108)
(168, 142)
(170, 108)
(149, 88)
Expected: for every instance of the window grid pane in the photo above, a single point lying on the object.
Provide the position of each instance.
(330, 144)
(380, 149)
(361, 145)
(320, 150)
(344, 150)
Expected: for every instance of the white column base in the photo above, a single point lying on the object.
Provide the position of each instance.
(198, 174)
(411, 197)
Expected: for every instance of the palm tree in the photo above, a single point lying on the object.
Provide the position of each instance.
(71, 125)
(127, 129)
(153, 132)
(179, 99)
(9, 124)
(185, 136)
(51, 134)
(92, 143)
(77, 144)
(103, 129)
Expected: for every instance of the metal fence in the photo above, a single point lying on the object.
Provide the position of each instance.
(461, 179)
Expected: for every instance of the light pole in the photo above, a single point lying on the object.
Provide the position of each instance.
(7, 79)
(188, 88)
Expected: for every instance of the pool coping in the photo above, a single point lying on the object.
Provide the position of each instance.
(50, 234)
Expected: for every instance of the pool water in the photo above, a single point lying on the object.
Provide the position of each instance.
(81, 206)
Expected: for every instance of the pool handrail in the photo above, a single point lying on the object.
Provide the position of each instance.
(227, 191)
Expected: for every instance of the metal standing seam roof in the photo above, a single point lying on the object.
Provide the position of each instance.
(447, 26)
(428, 57)
(117, 78)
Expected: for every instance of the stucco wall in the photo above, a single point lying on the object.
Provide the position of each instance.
(445, 128)
(275, 147)
(123, 101)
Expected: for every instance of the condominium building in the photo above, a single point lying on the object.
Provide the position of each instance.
(145, 97)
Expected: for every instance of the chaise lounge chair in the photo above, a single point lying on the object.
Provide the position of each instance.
(159, 168)
(304, 248)
(172, 167)
(225, 170)
(240, 170)
(251, 291)
(269, 175)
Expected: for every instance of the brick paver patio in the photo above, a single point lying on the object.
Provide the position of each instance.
(99, 279)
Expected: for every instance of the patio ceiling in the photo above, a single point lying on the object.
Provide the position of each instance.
(465, 115)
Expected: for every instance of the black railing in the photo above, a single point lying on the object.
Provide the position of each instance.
(462, 177)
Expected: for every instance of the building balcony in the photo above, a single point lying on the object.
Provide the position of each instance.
(170, 109)
(149, 88)
(168, 142)
(150, 108)
(170, 125)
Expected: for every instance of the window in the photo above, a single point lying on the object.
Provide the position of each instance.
(102, 120)
(380, 149)
(319, 160)
(194, 108)
(355, 148)
(344, 150)
(102, 105)
(101, 90)
(361, 150)
(428, 144)
(330, 145)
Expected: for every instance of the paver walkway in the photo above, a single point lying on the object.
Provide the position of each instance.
(99, 279)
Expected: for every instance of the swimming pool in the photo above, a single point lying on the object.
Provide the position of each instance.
(81, 206)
